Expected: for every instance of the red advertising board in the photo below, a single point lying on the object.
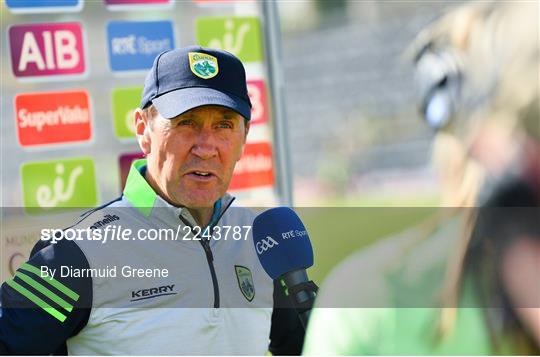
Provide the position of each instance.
(255, 168)
(257, 96)
(53, 118)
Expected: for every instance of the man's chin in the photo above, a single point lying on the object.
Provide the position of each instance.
(200, 200)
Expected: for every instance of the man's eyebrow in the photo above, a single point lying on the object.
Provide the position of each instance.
(229, 112)
(225, 112)
(186, 115)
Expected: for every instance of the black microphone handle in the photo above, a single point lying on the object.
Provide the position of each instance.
(302, 300)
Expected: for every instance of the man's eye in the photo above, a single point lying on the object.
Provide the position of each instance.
(185, 122)
(225, 125)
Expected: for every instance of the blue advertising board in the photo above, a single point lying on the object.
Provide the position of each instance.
(37, 6)
(133, 45)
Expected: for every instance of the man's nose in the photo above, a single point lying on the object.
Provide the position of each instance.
(204, 146)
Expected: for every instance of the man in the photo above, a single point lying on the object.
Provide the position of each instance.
(201, 293)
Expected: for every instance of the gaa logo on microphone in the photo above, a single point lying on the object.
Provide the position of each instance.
(265, 244)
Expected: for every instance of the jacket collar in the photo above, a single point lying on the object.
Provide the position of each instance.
(141, 196)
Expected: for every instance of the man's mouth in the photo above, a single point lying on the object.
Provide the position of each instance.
(201, 175)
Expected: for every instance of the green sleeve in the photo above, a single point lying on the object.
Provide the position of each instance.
(349, 331)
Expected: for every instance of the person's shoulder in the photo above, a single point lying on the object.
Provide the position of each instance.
(81, 231)
(56, 234)
(111, 212)
(237, 212)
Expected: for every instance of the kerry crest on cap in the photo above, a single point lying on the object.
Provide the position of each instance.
(203, 65)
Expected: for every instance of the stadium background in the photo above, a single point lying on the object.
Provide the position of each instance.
(355, 138)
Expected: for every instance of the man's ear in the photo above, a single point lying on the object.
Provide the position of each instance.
(142, 130)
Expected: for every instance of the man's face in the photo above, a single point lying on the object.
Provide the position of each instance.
(191, 158)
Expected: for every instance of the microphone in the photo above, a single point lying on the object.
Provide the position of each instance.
(284, 250)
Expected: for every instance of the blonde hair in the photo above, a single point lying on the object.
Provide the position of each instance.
(491, 43)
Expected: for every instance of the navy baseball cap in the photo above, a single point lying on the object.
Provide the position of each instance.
(190, 77)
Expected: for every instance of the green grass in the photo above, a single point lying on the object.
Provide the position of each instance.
(337, 232)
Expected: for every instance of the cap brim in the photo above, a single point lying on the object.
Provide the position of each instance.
(179, 101)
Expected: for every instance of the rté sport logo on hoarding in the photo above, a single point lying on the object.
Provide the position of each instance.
(133, 45)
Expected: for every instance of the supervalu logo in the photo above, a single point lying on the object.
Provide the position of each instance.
(53, 118)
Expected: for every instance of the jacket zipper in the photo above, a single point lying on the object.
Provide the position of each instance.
(210, 259)
(209, 256)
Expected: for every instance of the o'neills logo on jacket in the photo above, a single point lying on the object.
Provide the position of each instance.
(106, 220)
(53, 118)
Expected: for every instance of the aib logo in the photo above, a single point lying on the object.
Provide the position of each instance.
(47, 49)
(238, 35)
(58, 184)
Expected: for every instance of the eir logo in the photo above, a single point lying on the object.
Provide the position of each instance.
(48, 49)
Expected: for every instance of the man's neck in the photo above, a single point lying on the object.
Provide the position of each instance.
(202, 216)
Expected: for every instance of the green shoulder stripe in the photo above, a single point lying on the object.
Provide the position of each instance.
(42, 289)
(36, 300)
(58, 285)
